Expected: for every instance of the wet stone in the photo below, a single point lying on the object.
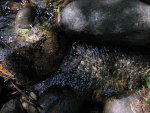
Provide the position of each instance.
(25, 17)
(35, 52)
(33, 96)
(101, 70)
(38, 59)
(49, 99)
(29, 108)
(13, 6)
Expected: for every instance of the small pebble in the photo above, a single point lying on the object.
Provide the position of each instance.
(25, 17)
(13, 6)
(28, 107)
(25, 105)
(33, 96)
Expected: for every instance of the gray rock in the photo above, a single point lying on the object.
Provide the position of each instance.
(36, 60)
(13, 106)
(104, 70)
(117, 21)
(123, 105)
(33, 96)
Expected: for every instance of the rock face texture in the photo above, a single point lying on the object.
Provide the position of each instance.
(119, 21)
(104, 70)
(35, 61)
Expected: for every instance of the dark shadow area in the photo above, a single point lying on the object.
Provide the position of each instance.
(91, 107)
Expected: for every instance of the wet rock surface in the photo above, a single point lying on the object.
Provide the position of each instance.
(29, 108)
(90, 72)
(35, 61)
(25, 17)
(32, 57)
(117, 21)
(33, 53)
(104, 70)
(13, 106)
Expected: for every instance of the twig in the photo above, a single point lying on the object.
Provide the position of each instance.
(28, 99)
(19, 90)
